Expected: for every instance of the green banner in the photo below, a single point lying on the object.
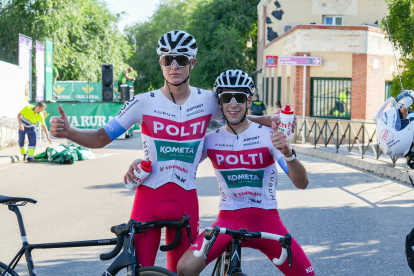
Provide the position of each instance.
(49, 70)
(88, 91)
(169, 150)
(243, 178)
(84, 115)
(63, 89)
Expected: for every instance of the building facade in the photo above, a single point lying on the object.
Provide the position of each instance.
(357, 65)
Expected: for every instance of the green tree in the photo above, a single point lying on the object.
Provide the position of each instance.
(401, 25)
(169, 15)
(221, 28)
(84, 33)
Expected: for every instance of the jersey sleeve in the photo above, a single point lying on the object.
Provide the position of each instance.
(277, 155)
(216, 114)
(129, 115)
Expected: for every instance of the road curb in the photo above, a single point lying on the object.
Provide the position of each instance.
(367, 164)
(14, 159)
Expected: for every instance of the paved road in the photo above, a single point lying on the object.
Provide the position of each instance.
(349, 222)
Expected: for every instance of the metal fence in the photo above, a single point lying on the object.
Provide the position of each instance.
(346, 135)
(329, 98)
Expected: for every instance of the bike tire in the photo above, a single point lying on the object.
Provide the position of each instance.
(239, 274)
(10, 272)
(153, 271)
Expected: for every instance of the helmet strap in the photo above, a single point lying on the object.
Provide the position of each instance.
(229, 124)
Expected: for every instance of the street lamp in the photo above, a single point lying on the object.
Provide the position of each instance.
(249, 44)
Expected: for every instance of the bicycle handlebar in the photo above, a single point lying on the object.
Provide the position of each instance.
(124, 229)
(177, 225)
(210, 235)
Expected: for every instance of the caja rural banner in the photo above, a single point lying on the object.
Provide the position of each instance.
(84, 115)
(25, 61)
(40, 71)
(69, 91)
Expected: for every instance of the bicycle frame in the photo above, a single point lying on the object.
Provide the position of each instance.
(27, 248)
(126, 259)
(234, 263)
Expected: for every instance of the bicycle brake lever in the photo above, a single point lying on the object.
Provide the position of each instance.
(288, 242)
(189, 234)
(213, 239)
(289, 251)
(131, 239)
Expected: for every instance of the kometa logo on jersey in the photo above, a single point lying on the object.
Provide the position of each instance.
(258, 158)
(243, 178)
(179, 131)
(184, 152)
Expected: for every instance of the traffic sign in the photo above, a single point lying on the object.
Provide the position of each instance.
(298, 60)
(271, 61)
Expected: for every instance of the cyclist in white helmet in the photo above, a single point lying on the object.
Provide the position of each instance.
(245, 167)
(395, 127)
(174, 120)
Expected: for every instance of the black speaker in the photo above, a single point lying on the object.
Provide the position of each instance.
(107, 82)
(107, 92)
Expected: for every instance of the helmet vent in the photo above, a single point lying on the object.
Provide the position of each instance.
(162, 41)
(182, 50)
(187, 40)
(173, 44)
(194, 45)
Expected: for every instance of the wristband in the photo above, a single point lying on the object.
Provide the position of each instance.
(292, 157)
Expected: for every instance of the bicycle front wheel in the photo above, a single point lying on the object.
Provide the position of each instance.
(153, 271)
(10, 272)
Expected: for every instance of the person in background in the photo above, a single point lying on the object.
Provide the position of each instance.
(55, 76)
(257, 108)
(278, 107)
(123, 77)
(341, 108)
(28, 117)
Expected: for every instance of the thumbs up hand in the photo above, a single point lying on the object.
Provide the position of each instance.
(59, 126)
(279, 140)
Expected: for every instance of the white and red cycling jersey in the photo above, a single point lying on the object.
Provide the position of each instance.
(245, 167)
(172, 135)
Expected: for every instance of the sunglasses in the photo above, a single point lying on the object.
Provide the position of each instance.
(181, 61)
(226, 98)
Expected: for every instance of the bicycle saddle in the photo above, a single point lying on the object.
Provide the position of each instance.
(9, 199)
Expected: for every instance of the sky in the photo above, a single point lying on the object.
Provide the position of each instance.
(137, 10)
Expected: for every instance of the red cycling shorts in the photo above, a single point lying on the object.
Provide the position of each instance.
(258, 220)
(168, 202)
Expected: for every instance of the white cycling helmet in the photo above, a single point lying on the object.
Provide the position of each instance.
(236, 80)
(177, 42)
(395, 134)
